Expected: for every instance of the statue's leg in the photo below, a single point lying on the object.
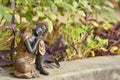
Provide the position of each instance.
(24, 69)
(22, 66)
(39, 66)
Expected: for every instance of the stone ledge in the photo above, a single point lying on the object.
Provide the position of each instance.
(98, 68)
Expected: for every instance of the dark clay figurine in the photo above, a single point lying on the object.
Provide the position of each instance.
(28, 63)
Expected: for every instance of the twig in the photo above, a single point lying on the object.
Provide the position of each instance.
(13, 21)
(75, 49)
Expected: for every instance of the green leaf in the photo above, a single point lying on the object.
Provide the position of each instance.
(93, 53)
(117, 0)
(52, 16)
(67, 6)
(90, 42)
(54, 8)
(87, 28)
(50, 28)
(8, 10)
(85, 5)
(81, 13)
(107, 9)
(112, 18)
(101, 42)
(8, 17)
(75, 33)
(47, 2)
(28, 15)
(40, 14)
(75, 4)
(107, 26)
(94, 23)
(21, 1)
(1, 16)
(108, 3)
(58, 1)
(5, 12)
(98, 7)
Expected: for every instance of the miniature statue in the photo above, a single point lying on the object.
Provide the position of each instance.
(28, 63)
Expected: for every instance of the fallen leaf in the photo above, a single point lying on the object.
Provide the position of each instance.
(113, 49)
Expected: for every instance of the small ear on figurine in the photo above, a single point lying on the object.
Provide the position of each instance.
(34, 27)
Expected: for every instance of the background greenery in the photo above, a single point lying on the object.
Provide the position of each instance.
(77, 20)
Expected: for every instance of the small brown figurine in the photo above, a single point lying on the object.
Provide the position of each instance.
(28, 63)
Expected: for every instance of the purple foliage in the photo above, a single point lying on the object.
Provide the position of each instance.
(52, 51)
(49, 57)
(12, 46)
(8, 26)
(115, 35)
(12, 49)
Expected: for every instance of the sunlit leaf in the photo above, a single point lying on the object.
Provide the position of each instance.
(93, 54)
(50, 28)
(52, 16)
(107, 9)
(118, 51)
(107, 26)
(108, 3)
(104, 49)
(35, 18)
(113, 49)
(54, 8)
(23, 19)
(17, 17)
(76, 57)
(67, 6)
(117, 0)
(85, 5)
(90, 42)
(101, 41)
(1, 16)
(95, 23)
(40, 14)
(75, 4)
(58, 1)
(98, 7)
(82, 13)
(8, 17)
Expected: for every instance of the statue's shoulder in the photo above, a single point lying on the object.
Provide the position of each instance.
(26, 35)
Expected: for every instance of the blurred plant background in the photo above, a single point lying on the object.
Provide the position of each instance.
(90, 27)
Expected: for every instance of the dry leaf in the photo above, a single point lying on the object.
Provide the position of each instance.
(17, 17)
(35, 18)
(113, 49)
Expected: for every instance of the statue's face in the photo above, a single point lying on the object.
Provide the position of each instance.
(40, 29)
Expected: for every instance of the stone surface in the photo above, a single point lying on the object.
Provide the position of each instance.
(98, 68)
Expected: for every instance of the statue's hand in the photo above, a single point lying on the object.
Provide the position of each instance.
(39, 38)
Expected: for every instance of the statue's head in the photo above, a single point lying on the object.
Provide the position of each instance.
(40, 29)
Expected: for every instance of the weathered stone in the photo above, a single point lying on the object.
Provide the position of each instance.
(1, 69)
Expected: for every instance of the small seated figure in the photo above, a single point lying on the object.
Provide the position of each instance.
(28, 63)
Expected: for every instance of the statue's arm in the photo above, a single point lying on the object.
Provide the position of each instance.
(31, 48)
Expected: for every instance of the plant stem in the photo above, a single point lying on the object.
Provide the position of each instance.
(87, 19)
